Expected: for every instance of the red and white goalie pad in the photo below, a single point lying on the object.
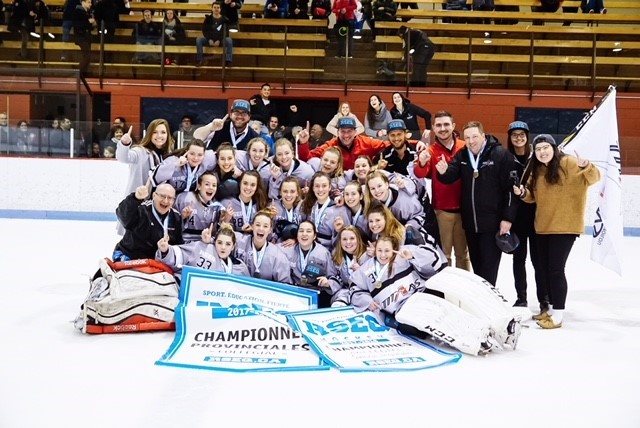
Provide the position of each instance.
(136, 295)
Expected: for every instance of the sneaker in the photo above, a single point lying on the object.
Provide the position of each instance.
(604, 11)
(541, 316)
(548, 324)
(520, 303)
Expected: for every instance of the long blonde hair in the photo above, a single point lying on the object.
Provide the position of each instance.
(392, 227)
(339, 253)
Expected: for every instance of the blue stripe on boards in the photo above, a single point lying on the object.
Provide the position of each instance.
(58, 215)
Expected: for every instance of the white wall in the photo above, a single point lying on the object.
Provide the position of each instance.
(88, 185)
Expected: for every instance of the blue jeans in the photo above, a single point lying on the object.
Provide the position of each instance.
(201, 42)
(66, 30)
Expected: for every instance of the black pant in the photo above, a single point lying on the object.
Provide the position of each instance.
(421, 59)
(553, 251)
(519, 266)
(484, 254)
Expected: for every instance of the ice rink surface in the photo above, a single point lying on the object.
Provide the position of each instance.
(586, 374)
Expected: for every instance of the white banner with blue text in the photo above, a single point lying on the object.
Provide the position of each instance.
(233, 323)
(350, 341)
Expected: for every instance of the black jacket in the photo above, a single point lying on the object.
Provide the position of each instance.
(224, 136)
(214, 29)
(142, 229)
(488, 199)
(523, 223)
(410, 116)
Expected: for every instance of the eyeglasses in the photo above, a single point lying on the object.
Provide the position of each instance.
(542, 147)
(165, 197)
(519, 135)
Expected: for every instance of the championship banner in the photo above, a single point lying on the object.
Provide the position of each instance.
(356, 342)
(227, 322)
(596, 138)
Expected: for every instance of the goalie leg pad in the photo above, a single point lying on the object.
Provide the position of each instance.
(478, 297)
(446, 322)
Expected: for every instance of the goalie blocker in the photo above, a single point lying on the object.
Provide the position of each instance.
(131, 296)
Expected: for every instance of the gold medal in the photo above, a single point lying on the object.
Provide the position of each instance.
(475, 174)
(377, 284)
(303, 280)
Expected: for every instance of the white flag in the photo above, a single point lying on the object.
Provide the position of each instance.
(596, 138)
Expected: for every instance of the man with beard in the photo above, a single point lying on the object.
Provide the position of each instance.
(233, 128)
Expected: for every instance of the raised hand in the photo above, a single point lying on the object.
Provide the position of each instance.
(405, 253)
(442, 165)
(303, 136)
(126, 138)
(424, 157)
(187, 212)
(582, 163)
(218, 124)
(275, 170)
(163, 244)
(182, 161)
(142, 193)
(206, 234)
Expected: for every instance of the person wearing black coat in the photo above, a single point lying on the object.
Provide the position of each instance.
(83, 23)
(146, 222)
(523, 225)
(409, 113)
(421, 49)
(488, 205)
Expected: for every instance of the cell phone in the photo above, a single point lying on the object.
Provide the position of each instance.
(513, 175)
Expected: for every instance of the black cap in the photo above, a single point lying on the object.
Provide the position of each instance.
(507, 242)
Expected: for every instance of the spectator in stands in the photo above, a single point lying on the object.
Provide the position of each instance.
(377, 118)
(146, 32)
(174, 33)
(411, 5)
(109, 152)
(113, 138)
(120, 121)
(365, 15)
(234, 130)
(345, 11)
(186, 128)
(230, 10)
(344, 111)
(107, 13)
(548, 6)
(409, 113)
(385, 10)
(65, 123)
(592, 6)
(24, 138)
(38, 16)
(276, 8)
(320, 9)
(19, 23)
(83, 24)
(67, 21)
(318, 136)
(215, 34)
(4, 128)
(262, 108)
(299, 9)
(421, 50)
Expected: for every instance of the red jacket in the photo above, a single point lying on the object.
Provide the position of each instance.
(361, 145)
(349, 5)
(444, 196)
